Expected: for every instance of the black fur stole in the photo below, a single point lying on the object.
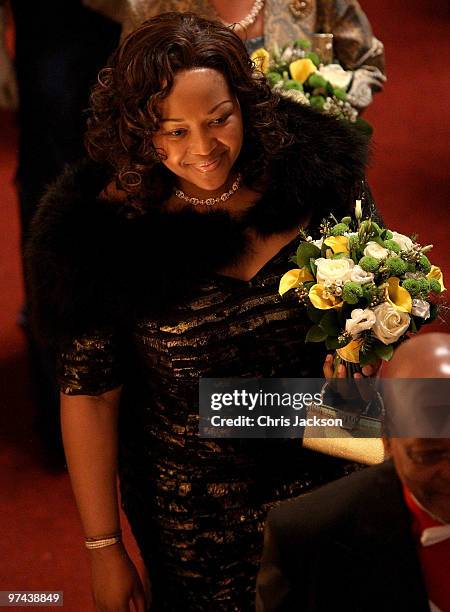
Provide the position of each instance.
(91, 267)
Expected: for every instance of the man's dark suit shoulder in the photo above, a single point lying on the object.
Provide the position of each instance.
(346, 545)
(318, 515)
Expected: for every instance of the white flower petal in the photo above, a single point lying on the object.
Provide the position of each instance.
(336, 75)
(360, 276)
(421, 308)
(404, 242)
(390, 323)
(333, 269)
(318, 243)
(373, 249)
(361, 320)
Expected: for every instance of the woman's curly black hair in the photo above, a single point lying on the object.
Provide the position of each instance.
(125, 102)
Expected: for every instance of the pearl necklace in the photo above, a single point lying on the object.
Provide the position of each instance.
(245, 23)
(210, 201)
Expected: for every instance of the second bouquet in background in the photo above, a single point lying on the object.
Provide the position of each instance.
(301, 74)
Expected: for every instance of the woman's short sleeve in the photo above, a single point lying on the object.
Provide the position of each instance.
(90, 365)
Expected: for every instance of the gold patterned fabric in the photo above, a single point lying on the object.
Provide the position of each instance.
(354, 43)
(197, 506)
(284, 22)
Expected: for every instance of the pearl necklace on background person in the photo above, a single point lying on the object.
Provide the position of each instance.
(250, 19)
(210, 201)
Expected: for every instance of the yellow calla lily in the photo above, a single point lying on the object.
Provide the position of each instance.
(301, 69)
(293, 278)
(350, 352)
(321, 302)
(338, 244)
(261, 58)
(436, 273)
(398, 296)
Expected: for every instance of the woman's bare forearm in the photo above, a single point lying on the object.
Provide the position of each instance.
(89, 429)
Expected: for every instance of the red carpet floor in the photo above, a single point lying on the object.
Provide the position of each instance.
(40, 535)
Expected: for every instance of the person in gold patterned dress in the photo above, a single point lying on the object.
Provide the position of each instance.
(269, 22)
(157, 262)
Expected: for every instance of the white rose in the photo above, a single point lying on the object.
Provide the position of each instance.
(390, 323)
(403, 241)
(336, 75)
(333, 269)
(360, 276)
(360, 321)
(373, 249)
(421, 308)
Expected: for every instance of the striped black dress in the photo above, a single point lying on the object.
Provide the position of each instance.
(197, 506)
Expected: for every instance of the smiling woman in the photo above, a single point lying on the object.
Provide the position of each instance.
(201, 113)
(201, 146)
(158, 263)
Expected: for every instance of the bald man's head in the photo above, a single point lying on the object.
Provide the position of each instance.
(423, 356)
(419, 406)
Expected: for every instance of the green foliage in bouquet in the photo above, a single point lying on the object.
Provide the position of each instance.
(364, 287)
(298, 73)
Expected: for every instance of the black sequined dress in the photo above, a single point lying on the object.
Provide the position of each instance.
(197, 506)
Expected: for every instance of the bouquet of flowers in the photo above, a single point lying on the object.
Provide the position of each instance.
(364, 288)
(298, 73)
